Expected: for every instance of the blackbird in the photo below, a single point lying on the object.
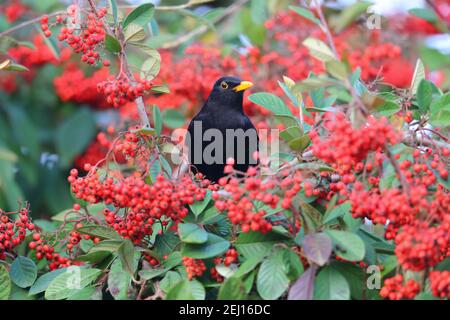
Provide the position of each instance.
(221, 130)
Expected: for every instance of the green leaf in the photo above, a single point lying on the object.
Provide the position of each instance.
(16, 67)
(107, 245)
(272, 281)
(166, 243)
(258, 10)
(331, 285)
(23, 272)
(305, 13)
(348, 245)
(113, 7)
(171, 279)
(94, 257)
(187, 290)
(232, 289)
(126, 254)
(337, 212)
(173, 119)
(440, 111)
(388, 108)
(424, 95)
(112, 44)
(70, 282)
(149, 274)
(199, 206)
(88, 293)
(248, 265)
(44, 281)
(443, 265)
(319, 50)
(419, 75)
(337, 69)
(151, 66)
(425, 296)
(350, 14)
(213, 247)
(300, 143)
(118, 281)
(157, 120)
(291, 133)
(424, 13)
(51, 44)
(141, 16)
(74, 135)
(192, 233)
(270, 102)
(134, 33)
(99, 231)
(314, 83)
(257, 244)
(5, 283)
(162, 88)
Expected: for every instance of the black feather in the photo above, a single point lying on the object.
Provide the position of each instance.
(223, 110)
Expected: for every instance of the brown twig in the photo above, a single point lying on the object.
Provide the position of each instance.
(393, 161)
(202, 29)
(26, 24)
(326, 29)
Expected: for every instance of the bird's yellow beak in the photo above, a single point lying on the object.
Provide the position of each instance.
(243, 86)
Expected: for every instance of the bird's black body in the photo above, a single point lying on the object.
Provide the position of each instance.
(223, 110)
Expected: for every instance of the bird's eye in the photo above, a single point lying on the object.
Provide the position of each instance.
(224, 85)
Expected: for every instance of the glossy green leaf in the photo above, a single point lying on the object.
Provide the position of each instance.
(331, 285)
(214, 246)
(272, 281)
(5, 283)
(192, 233)
(348, 245)
(270, 102)
(23, 272)
(141, 16)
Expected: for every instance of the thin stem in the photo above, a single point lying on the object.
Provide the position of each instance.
(393, 161)
(168, 8)
(326, 29)
(26, 23)
(202, 29)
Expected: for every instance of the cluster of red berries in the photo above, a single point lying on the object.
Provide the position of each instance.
(13, 229)
(13, 10)
(230, 257)
(194, 267)
(47, 251)
(84, 40)
(440, 283)
(344, 146)
(129, 146)
(121, 90)
(164, 199)
(73, 85)
(240, 208)
(420, 246)
(394, 289)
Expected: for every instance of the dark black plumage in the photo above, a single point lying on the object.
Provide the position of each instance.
(223, 110)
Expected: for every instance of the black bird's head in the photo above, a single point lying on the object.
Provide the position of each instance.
(228, 93)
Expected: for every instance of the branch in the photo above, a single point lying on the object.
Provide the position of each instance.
(27, 23)
(326, 29)
(405, 185)
(171, 8)
(202, 29)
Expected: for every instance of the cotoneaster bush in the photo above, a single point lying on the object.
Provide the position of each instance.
(356, 204)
